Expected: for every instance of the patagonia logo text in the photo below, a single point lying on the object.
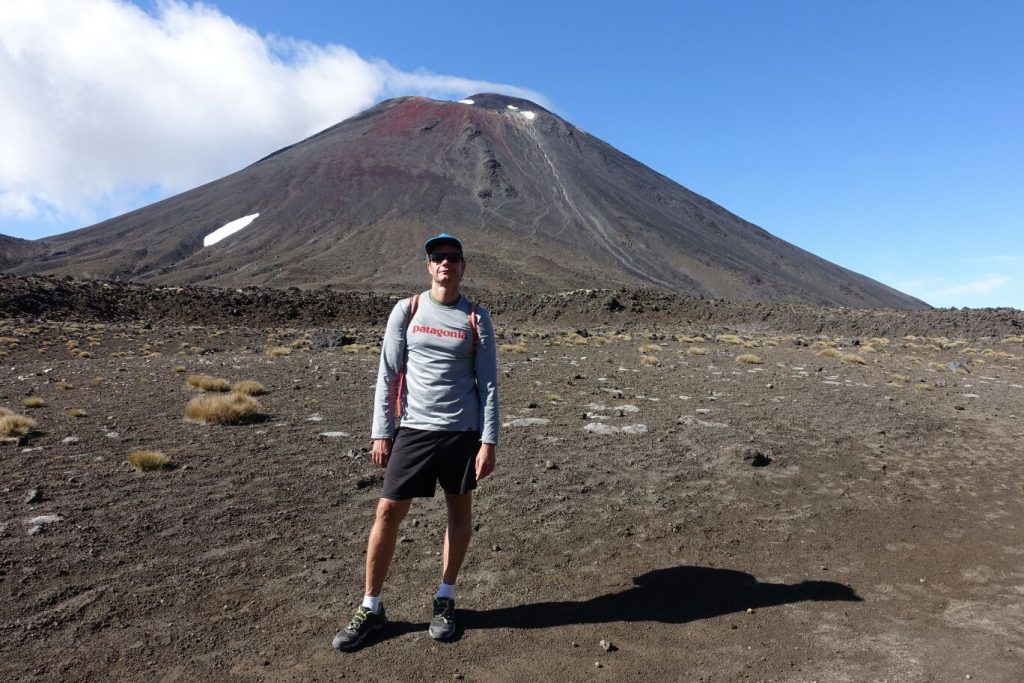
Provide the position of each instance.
(438, 332)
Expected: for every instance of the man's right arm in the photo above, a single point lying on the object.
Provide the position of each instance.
(392, 357)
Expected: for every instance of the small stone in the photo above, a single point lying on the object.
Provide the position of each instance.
(607, 646)
(111, 435)
(33, 497)
(548, 465)
(71, 439)
(750, 610)
(598, 664)
(769, 386)
(495, 547)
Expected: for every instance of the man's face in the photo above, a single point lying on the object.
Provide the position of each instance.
(446, 265)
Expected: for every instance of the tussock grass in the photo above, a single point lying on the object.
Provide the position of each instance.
(650, 348)
(33, 402)
(1012, 340)
(937, 366)
(830, 352)
(696, 351)
(729, 339)
(898, 378)
(233, 408)
(749, 359)
(208, 383)
(4, 412)
(85, 354)
(923, 386)
(65, 385)
(825, 344)
(180, 368)
(250, 388)
(852, 358)
(75, 412)
(9, 340)
(598, 341)
(650, 360)
(278, 351)
(878, 341)
(622, 336)
(684, 339)
(519, 347)
(148, 460)
(16, 425)
(867, 348)
(553, 398)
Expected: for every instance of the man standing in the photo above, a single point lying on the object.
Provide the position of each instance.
(438, 375)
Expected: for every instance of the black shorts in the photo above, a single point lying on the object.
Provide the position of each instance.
(420, 458)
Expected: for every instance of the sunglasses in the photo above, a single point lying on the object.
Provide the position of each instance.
(439, 256)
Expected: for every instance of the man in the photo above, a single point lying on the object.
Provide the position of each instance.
(438, 376)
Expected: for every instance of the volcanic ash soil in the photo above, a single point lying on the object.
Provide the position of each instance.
(824, 508)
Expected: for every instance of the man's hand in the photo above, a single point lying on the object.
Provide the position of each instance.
(381, 451)
(484, 460)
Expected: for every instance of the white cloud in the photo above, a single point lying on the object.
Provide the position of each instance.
(978, 290)
(102, 102)
(985, 285)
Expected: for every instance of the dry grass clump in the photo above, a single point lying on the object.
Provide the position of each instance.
(233, 408)
(898, 378)
(519, 347)
(1012, 340)
(75, 412)
(622, 336)
(729, 339)
(8, 340)
(33, 402)
(830, 352)
(180, 368)
(748, 359)
(690, 340)
(83, 354)
(852, 358)
(923, 386)
(148, 460)
(825, 343)
(65, 385)
(16, 425)
(650, 348)
(878, 341)
(650, 360)
(937, 366)
(696, 351)
(278, 351)
(249, 387)
(208, 383)
(553, 398)
(867, 348)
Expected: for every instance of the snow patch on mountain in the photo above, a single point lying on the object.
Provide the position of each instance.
(228, 229)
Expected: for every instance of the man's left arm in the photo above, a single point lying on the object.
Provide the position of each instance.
(487, 392)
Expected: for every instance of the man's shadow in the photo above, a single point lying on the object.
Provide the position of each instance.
(675, 595)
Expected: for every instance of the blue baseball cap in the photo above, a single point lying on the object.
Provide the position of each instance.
(443, 238)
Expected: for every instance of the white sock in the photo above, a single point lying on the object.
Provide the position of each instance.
(372, 602)
(446, 590)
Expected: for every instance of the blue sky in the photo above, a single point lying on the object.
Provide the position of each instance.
(883, 136)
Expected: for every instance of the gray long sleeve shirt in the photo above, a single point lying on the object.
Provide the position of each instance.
(447, 386)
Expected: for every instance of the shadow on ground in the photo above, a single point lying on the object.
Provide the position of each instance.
(675, 595)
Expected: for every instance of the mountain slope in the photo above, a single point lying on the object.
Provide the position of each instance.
(539, 203)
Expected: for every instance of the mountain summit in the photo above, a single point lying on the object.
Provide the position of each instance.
(540, 204)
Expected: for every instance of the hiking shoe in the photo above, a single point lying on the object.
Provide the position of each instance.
(442, 626)
(364, 622)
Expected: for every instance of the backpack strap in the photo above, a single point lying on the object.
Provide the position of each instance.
(473, 326)
(414, 302)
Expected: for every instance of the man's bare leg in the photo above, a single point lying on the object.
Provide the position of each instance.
(381, 547)
(457, 535)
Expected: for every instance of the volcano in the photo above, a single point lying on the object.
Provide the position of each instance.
(540, 204)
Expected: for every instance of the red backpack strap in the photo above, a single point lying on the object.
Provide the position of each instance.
(414, 302)
(473, 327)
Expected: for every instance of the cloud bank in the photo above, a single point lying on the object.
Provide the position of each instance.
(106, 107)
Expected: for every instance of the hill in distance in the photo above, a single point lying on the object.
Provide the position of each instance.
(540, 204)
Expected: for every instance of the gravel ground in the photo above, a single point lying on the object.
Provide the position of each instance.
(801, 518)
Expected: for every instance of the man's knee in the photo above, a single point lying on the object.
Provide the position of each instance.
(391, 512)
